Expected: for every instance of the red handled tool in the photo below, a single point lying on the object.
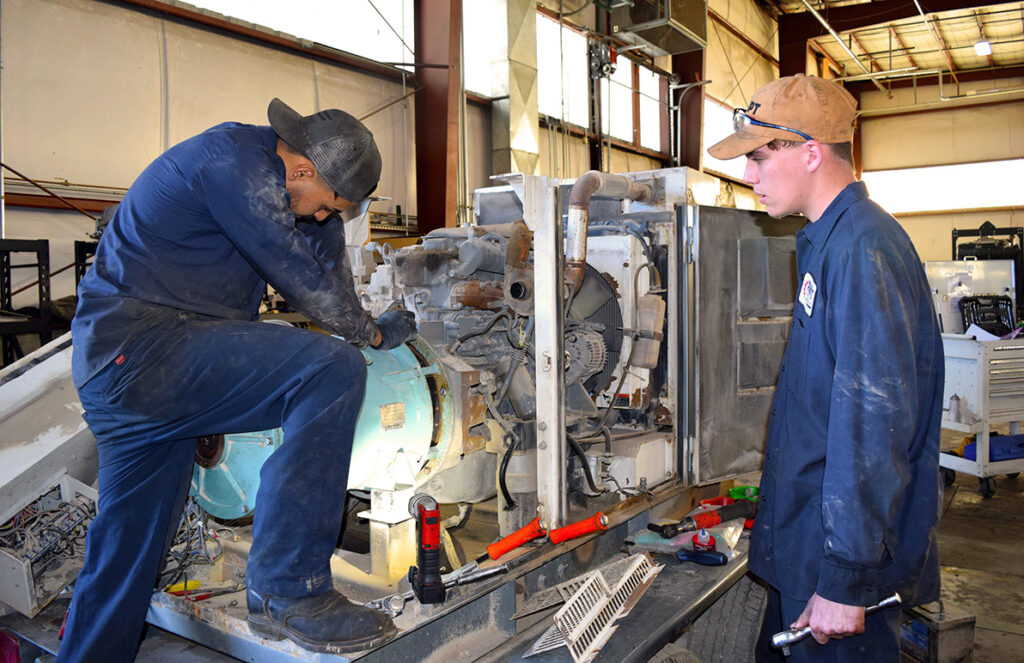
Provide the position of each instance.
(529, 532)
(707, 519)
(534, 530)
(426, 575)
(597, 522)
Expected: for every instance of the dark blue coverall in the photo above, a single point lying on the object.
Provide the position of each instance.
(166, 348)
(851, 491)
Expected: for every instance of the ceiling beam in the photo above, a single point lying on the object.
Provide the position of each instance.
(899, 42)
(874, 65)
(795, 29)
(942, 44)
(854, 17)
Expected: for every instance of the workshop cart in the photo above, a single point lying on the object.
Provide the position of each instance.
(984, 387)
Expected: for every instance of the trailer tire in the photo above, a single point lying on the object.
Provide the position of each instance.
(728, 630)
(673, 653)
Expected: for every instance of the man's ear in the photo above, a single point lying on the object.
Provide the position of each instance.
(815, 153)
(300, 171)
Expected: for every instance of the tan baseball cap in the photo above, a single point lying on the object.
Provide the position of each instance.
(817, 107)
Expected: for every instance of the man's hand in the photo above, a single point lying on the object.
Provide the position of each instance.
(396, 327)
(828, 619)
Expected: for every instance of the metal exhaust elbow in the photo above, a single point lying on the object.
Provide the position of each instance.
(593, 183)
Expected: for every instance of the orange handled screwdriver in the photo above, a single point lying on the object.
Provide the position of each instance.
(595, 523)
(529, 532)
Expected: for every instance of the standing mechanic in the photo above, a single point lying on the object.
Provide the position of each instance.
(167, 348)
(850, 490)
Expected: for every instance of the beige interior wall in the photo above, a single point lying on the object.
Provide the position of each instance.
(979, 127)
(734, 68)
(478, 148)
(563, 156)
(988, 128)
(626, 162)
(932, 233)
(94, 91)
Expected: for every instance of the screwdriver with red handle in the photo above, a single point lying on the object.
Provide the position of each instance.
(707, 519)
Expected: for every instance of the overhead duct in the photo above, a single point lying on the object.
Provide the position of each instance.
(662, 27)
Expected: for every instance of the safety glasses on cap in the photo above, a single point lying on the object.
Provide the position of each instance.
(740, 120)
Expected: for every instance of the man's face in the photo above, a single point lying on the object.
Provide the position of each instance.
(778, 177)
(312, 197)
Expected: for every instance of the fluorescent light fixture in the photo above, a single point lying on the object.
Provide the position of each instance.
(983, 48)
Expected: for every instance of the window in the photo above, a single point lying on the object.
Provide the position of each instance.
(651, 109)
(940, 188)
(373, 29)
(562, 94)
(718, 125)
(619, 97)
(617, 102)
(483, 47)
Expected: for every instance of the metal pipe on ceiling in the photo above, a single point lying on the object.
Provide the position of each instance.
(846, 48)
(943, 97)
(938, 38)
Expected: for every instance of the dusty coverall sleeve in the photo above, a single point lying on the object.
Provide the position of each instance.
(249, 204)
(871, 419)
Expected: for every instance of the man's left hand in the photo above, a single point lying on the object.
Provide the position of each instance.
(828, 619)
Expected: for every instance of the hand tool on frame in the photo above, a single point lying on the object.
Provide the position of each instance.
(785, 639)
(707, 519)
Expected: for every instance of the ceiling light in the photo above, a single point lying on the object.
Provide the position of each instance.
(983, 48)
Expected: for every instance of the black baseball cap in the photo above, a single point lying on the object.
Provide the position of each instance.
(340, 147)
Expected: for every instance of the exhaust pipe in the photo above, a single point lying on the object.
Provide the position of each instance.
(593, 183)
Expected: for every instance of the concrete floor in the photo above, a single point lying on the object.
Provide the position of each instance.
(981, 549)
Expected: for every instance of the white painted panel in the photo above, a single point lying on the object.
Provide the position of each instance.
(81, 90)
(212, 78)
(94, 91)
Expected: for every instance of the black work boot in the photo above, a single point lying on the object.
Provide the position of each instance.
(326, 623)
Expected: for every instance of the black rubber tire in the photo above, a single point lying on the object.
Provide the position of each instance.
(948, 476)
(987, 487)
(727, 631)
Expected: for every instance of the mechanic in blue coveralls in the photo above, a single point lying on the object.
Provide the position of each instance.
(850, 490)
(167, 348)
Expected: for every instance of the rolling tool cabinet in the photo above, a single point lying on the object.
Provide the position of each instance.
(984, 387)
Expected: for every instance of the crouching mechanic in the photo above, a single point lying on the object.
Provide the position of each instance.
(850, 489)
(167, 348)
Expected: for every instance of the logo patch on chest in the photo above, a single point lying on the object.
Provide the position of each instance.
(807, 292)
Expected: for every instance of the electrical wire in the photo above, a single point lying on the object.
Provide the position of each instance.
(413, 53)
(510, 503)
(189, 546)
(462, 339)
(582, 456)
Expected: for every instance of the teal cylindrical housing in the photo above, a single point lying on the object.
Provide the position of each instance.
(392, 438)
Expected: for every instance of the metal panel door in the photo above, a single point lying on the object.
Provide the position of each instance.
(745, 284)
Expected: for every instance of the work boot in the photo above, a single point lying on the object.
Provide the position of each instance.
(326, 623)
